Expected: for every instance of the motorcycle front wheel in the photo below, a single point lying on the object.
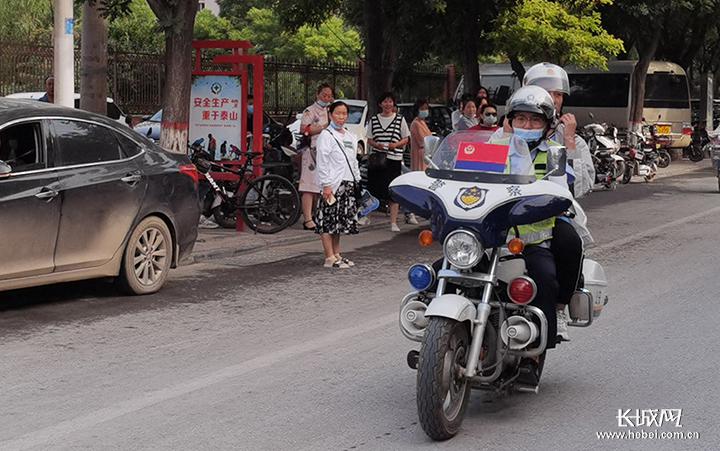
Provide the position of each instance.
(627, 175)
(663, 159)
(442, 390)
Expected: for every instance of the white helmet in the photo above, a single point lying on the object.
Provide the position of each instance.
(548, 76)
(531, 99)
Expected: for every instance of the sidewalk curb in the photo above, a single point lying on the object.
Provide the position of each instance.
(213, 254)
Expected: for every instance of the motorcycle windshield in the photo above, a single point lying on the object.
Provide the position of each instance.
(468, 155)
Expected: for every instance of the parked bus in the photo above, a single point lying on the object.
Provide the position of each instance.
(607, 95)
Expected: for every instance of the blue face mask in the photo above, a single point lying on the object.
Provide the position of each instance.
(422, 114)
(250, 109)
(322, 103)
(335, 126)
(528, 135)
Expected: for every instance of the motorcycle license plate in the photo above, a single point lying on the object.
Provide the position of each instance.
(664, 129)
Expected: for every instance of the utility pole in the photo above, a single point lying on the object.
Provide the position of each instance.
(64, 53)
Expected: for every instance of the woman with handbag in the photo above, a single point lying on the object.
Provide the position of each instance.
(339, 177)
(314, 120)
(387, 134)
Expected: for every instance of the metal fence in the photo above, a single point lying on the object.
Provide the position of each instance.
(135, 80)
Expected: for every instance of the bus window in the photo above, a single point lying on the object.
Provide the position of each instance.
(500, 87)
(598, 90)
(666, 91)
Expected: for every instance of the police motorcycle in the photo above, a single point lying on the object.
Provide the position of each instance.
(604, 144)
(472, 314)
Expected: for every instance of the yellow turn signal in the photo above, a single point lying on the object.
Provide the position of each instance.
(516, 246)
(425, 238)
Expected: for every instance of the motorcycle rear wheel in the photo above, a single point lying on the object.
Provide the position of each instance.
(663, 159)
(695, 154)
(442, 390)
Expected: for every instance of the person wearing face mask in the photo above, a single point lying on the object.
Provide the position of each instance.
(418, 131)
(488, 118)
(468, 118)
(314, 120)
(554, 80)
(567, 245)
(530, 112)
(338, 174)
(457, 114)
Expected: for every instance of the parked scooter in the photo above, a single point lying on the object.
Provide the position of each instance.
(640, 160)
(660, 143)
(603, 144)
(472, 315)
(700, 144)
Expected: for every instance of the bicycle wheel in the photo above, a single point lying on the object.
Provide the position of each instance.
(269, 204)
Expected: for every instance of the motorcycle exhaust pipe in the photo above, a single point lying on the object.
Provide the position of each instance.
(517, 332)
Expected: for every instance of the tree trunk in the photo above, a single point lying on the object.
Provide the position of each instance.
(180, 17)
(470, 48)
(374, 32)
(93, 60)
(646, 53)
(517, 67)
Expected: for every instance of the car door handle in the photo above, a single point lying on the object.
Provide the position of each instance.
(47, 194)
(132, 179)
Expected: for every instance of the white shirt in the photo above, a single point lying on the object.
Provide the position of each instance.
(332, 165)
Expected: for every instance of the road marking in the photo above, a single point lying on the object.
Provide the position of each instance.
(653, 231)
(51, 433)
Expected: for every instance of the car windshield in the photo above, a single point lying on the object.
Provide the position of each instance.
(157, 117)
(355, 114)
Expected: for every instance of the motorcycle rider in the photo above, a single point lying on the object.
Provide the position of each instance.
(531, 112)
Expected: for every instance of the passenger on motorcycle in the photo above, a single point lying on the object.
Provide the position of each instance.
(531, 112)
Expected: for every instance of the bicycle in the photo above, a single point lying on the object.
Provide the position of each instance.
(267, 204)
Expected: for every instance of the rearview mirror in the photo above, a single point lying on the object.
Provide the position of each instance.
(5, 170)
(556, 160)
(431, 143)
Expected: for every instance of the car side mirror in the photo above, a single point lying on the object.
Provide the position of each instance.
(431, 143)
(556, 161)
(5, 170)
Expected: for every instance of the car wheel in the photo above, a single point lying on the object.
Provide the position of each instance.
(147, 258)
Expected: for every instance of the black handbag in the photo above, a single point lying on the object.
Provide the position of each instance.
(377, 160)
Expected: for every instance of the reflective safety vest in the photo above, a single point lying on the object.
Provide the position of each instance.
(541, 231)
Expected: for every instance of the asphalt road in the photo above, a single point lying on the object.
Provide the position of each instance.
(272, 351)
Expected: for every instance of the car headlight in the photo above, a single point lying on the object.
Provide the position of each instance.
(462, 249)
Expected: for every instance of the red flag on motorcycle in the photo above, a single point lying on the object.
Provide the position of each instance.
(480, 156)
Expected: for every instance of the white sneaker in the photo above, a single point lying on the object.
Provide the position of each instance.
(411, 219)
(207, 223)
(365, 220)
(394, 228)
(562, 325)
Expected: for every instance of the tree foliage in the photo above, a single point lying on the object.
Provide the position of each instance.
(136, 31)
(568, 32)
(26, 21)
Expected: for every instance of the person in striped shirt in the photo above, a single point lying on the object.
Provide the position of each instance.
(387, 134)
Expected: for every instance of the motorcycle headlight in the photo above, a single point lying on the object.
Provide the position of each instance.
(462, 249)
